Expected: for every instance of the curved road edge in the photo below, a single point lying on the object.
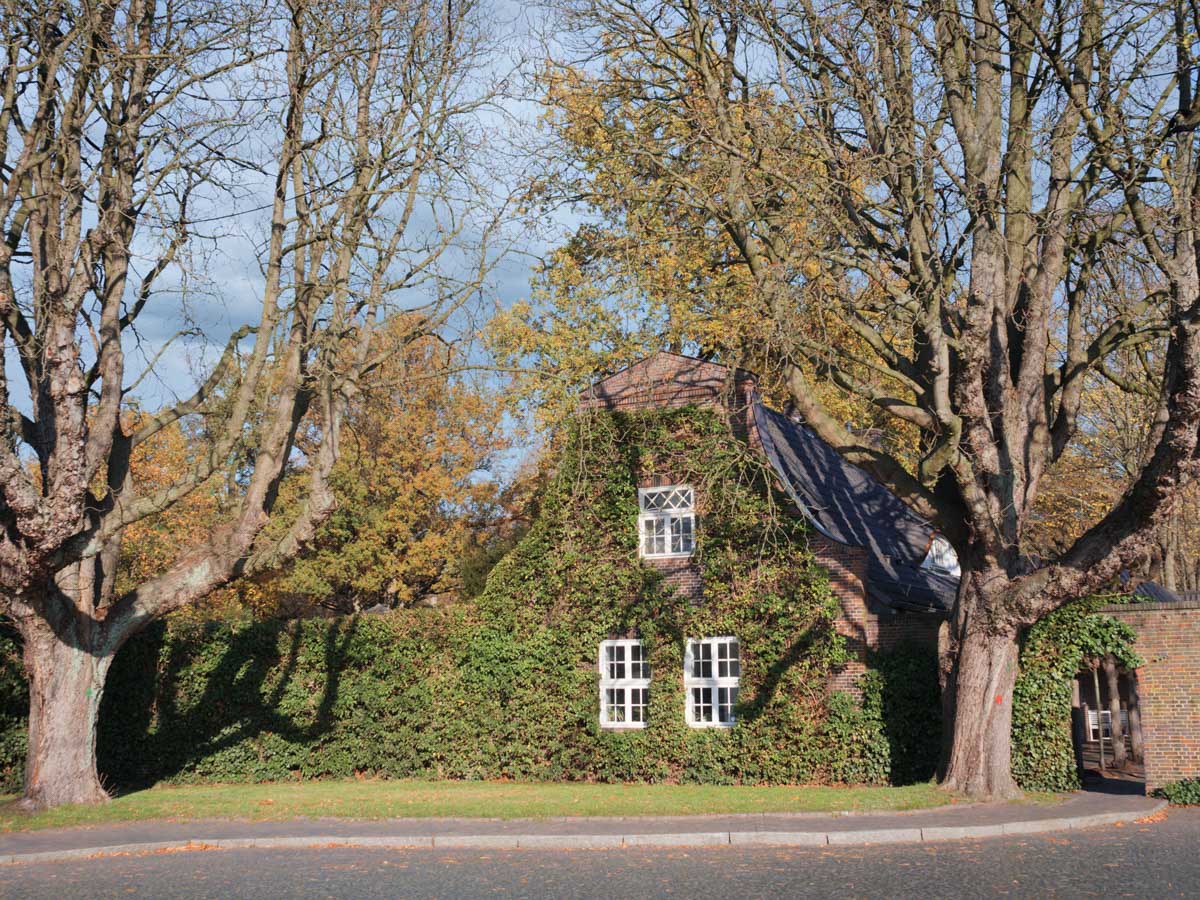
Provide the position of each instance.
(840, 838)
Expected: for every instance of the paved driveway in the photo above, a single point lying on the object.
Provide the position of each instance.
(1159, 859)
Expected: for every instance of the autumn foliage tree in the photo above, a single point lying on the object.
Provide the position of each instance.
(129, 131)
(976, 183)
(649, 268)
(150, 546)
(414, 486)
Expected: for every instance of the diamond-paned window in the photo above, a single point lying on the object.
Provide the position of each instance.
(624, 684)
(712, 670)
(667, 522)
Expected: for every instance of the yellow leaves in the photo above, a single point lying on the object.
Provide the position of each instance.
(410, 487)
(152, 544)
(1076, 493)
(653, 152)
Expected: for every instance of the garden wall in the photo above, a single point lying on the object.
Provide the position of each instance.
(1168, 642)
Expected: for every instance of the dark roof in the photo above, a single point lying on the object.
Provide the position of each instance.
(842, 500)
(903, 586)
(849, 506)
(1160, 594)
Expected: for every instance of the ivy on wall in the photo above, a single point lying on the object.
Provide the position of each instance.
(506, 686)
(14, 711)
(1054, 651)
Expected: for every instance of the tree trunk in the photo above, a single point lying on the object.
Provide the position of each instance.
(1136, 745)
(66, 680)
(1168, 556)
(977, 702)
(1113, 681)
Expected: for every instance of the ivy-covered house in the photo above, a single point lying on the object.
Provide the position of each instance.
(706, 593)
(892, 577)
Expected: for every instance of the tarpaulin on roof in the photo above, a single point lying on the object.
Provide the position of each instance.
(842, 500)
(1157, 592)
(849, 506)
(902, 586)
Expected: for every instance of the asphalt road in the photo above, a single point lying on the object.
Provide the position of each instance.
(1160, 859)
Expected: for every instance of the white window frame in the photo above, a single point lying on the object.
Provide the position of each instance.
(618, 676)
(722, 688)
(1099, 723)
(666, 519)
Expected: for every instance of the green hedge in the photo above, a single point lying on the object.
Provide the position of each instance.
(425, 694)
(14, 711)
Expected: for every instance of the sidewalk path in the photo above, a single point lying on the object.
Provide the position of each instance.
(974, 820)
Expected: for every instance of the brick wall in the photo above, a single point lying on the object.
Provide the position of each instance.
(683, 575)
(866, 624)
(1168, 641)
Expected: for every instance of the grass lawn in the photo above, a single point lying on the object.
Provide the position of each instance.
(483, 799)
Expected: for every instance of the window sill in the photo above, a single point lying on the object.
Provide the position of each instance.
(667, 555)
(624, 726)
(723, 725)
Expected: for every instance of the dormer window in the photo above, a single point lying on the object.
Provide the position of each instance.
(942, 558)
(667, 523)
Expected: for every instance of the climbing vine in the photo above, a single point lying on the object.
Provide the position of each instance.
(1053, 653)
(576, 580)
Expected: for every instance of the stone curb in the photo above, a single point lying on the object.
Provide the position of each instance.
(855, 837)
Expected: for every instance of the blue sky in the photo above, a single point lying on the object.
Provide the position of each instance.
(223, 293)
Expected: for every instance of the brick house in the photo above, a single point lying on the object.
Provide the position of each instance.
(894, 577)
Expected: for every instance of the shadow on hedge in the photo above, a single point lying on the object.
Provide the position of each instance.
(901, 688)
(143, 738)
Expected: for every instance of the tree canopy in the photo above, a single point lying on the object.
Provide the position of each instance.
(966, 217)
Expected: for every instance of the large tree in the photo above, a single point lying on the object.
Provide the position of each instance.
(129, 131)
(1005, 199)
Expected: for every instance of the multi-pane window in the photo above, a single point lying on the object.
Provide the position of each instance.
(667, 523)
(624, 684)
(1100, 724)
(712, 669)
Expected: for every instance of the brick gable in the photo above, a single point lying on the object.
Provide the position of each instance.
(667, 380)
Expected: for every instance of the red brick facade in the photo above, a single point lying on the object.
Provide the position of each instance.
(866, 625)
(666, 380)
(1168, 641)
